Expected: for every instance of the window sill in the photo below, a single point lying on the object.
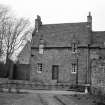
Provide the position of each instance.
(73, 72)
(39, 72)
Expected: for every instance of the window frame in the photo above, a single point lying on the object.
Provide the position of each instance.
(41, 49)
(39, 68)
(74, 47)
(74, 68)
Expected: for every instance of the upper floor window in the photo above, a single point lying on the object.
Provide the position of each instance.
(41, 49)
(74, 48)
(94, 55)
(41, 46)
(74, 44)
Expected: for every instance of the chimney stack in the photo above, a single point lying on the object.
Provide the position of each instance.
(38, 23)
(89, 20)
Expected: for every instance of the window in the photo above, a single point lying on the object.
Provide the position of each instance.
(100, 82)
(74, 48)
(39, 68)
(94, 55)
(32, 55)
(74, 68)
(102, 67)
(41, 49)
(41, 45)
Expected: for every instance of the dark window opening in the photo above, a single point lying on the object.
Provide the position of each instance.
(32, 55)
(74, 47)
(74, 68)
(39, 67)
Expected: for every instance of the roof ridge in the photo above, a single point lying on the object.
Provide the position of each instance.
(97, 31)
(66, 23)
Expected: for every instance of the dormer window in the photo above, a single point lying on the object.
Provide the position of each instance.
(74, 48)
(74, 44)
(41, 49)
(41, 46)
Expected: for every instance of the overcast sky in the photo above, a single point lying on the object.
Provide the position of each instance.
(60, 11)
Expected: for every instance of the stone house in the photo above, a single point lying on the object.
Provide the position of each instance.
(67, 53)
(60, 52)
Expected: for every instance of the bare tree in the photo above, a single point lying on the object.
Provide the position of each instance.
(13, 34)
(3, 17)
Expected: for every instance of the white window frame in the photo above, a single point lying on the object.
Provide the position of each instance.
(41, 49)
(74, 68)
(39, 68)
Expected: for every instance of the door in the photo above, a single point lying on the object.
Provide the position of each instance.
(55, 72)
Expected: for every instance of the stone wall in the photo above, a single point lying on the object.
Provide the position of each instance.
(63, 58)
(21, 72)
(98, 71)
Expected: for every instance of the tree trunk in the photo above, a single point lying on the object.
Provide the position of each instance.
(9, 68)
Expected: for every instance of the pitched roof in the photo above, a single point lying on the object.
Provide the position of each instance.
(60, 35)
(98, 38)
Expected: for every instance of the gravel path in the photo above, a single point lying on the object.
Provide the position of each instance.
(41, 97)
(52, 92)
(49, 99)
(30, 99)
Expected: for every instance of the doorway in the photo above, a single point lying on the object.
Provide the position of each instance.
(55, 72)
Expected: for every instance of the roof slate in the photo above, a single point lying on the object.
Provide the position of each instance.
(60, 35)
(98, 38)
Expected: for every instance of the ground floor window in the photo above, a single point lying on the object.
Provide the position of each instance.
(39, 67)
(55, 72)
(74, 68)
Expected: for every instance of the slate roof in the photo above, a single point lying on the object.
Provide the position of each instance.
(98, 38)
(60, 35)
